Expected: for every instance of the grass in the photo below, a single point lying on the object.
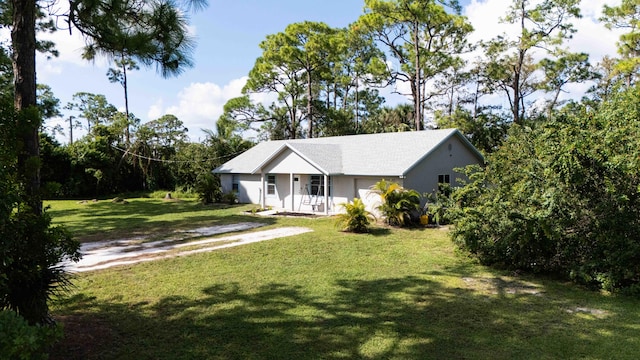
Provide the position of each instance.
(106, 220)
(391, 294)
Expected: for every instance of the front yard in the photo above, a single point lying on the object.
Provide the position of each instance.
(391, 294)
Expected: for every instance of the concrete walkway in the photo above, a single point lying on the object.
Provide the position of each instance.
(105, 254)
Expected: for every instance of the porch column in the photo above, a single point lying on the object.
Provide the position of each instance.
(291, 189)
(326, 195)
(263, 192)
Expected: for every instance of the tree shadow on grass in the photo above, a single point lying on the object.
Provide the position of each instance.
(379, 231)
(401, 318)
(138, 218)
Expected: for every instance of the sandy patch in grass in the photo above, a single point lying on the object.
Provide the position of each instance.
(105, 254)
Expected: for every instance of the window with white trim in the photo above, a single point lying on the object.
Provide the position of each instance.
(271, 184)
(235, 184)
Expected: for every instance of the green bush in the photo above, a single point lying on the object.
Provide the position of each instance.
(21, 341)
(561, 197)
(356, 217)
(208, 188)
(230, 198)
(400, 206)
(437, 206)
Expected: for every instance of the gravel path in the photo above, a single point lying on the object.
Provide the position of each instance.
(105, 254)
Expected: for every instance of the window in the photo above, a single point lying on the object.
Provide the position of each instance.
(317, 185)
(444, 179)
(444, 184)
(271, 184)
(235, 184)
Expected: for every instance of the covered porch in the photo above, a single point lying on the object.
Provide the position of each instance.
(297, 192)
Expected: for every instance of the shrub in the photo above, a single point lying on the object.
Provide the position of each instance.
(208, 188)
(230, 198)
(19, 340)
(561, 197)
(356, 217)
(437, 206)
(399, 205)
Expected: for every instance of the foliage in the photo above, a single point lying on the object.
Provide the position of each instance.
(322, 77)
(30, 248)
(356, 217)
(208, 188)
(438, 204)
(154, 32)
(425, 37)
(485, 129)
(390, 119)
(94, 108)
(21, 341)
(625, 16)
(399, 205)
(230, 198)
(31, 253)
(510, 64)
(149, 32)
(561, 197)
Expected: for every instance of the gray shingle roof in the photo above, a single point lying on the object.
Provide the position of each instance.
(385, 154)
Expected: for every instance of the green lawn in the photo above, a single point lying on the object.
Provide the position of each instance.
(393, 294)
(106, 220)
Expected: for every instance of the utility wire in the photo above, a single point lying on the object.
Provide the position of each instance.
(127, 152)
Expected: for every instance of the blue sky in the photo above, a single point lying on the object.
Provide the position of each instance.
(228, 34)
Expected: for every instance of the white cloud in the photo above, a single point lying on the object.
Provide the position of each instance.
(199, 105)
(155, 110)
(485, 16)
(591, 37)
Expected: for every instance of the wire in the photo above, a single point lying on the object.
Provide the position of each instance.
(127, 152)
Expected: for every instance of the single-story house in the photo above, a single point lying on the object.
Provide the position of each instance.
(317, 175)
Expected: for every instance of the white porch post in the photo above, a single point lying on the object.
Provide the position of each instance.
(293, 208)
(262, 194)
(326, 195)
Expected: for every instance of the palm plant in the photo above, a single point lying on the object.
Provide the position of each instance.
(398, 204)
(356, 217)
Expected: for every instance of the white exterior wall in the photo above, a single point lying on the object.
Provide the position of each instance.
(249, 188)
(225, 182)
(448, 156)
(361, 186)
(282, 191)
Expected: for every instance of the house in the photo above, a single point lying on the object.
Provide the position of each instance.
(317, 175)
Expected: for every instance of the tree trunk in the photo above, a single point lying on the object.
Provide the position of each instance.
(23, 38)
(417, 99)
(309, 102)
(518, 69)
(126, 100)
